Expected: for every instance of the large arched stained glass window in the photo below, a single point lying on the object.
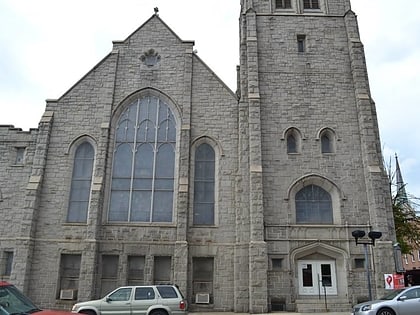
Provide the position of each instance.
(81, 183)
(144, 161)
(204, 174)
(313, 206)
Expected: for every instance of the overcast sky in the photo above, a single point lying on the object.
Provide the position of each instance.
(46, 46)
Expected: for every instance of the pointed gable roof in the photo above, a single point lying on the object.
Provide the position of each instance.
(156, 17)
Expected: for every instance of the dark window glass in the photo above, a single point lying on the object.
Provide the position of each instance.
(326, 144)
(301, 43)
(326, 275)
(8, 263)
(81, 183)
(311, 4)
(359, 263)
(307, 276)
(283, 4)
(122, 294)
(203, 269)
(291, 144)
(162, 269)
(204, 181)
(167, 292)
(135, 272)
(313, 206)
(20, 156)
(70, 272)
(277, 263)
(413, 294)
(144, 293)
(109, 274)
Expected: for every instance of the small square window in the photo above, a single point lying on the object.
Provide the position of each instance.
(359, 263)
(283, 4)
(277, 263)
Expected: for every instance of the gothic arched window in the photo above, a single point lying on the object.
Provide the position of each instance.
(313, 206)
(142, 186)
(204, 183)
(293, 140)
(327, 137)
(81, 182)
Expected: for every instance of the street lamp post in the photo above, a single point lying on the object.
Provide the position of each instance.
(358, 236)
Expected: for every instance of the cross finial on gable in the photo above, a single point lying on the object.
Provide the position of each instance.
(156, 10)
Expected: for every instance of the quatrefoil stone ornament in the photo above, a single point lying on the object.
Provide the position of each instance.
(150, 58)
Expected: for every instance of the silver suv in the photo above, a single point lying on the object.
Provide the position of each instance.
(138, 300)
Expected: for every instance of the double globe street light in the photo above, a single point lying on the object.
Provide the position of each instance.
(359, 237)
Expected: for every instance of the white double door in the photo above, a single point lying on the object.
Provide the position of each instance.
(317, 277)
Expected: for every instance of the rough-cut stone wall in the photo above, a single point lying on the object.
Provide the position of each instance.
(256, 180)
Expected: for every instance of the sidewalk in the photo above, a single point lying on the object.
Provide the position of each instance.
(273, 313)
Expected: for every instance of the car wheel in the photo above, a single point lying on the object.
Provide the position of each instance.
(385, 311)
(88, 312)
(159, 312)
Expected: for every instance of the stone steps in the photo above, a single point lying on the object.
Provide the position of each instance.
(320, 305)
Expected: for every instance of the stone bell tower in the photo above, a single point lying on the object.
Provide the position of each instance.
(307, 119)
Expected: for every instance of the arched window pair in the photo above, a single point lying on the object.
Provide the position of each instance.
(294, 138)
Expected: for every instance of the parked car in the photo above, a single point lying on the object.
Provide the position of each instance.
(138, 300)
(12, 301)
(404, 301)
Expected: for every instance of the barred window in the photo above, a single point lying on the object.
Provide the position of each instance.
(109, 273)
(70, 272)
(135, 273)
(162, 269)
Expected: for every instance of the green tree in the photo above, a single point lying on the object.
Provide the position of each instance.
(407, 222)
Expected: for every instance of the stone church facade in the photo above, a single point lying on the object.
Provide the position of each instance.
(149, 169)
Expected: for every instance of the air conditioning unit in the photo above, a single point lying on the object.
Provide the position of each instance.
(68, 294)
(202, 298)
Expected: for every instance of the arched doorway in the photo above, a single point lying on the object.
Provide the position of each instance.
(320, 269)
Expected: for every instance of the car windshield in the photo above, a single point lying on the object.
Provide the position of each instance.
(13, 302)
(391, 295)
